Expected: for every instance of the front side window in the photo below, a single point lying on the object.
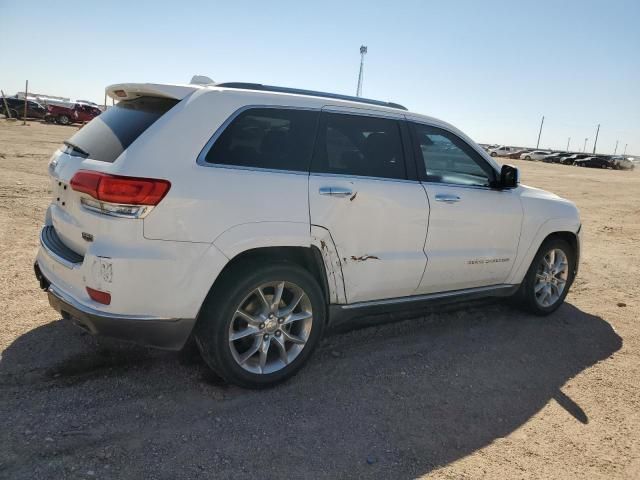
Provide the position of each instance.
(359, 145)
(445, 158)
(274, 138)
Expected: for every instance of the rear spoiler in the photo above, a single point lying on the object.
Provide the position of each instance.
(128, 91)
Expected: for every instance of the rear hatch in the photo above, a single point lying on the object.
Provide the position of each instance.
(89, 203)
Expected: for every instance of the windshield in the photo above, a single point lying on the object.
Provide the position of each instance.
(111, 133)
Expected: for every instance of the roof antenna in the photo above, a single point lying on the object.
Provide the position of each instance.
(201, 80)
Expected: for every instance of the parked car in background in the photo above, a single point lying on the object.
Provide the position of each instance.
(535, 155)
(16, 108)
(572, 158)
(88, 102)
(501, 151)
(594, 162)
(146, 238)
(517, 154)
(78, 113)
(554, 157)
(621, 163)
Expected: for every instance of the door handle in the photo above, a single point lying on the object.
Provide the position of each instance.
(336, 191)
(447, 198)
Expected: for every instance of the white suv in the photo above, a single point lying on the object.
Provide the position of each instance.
(250, 217)
(502, 151)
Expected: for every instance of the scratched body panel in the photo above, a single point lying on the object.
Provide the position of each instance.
(333, 268)
(379, 233)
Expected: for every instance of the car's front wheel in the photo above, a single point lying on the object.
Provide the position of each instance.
(260, 324)
(549, 277)
(64, 120)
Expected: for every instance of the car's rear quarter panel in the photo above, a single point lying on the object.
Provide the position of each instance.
(206, 201)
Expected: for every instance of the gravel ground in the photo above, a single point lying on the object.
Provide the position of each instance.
(480, 391)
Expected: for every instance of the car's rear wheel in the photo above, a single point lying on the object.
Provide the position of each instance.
(494, 154)
(549, 277)
(260, 325)
(63, 120)
(527, 157)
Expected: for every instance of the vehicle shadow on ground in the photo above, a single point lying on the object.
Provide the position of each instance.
(390, 401)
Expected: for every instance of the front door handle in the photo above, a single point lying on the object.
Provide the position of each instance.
(336, 191)
(447, 198)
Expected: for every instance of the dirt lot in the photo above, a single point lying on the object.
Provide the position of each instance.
(479, 392)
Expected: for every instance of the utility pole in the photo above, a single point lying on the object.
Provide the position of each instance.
(540, 132)
(363, 51)
(595, 142)
(616, 149)
(584, 149)
(569, 140)
(26, 92)
(625, 149)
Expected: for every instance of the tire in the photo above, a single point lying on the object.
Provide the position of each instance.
(493, 154)
(236, 291)
(63, 120)
(527, 157)
(14, 113)
(533, 300)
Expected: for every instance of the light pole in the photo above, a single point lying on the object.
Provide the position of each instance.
(615, 149)
(625, 149)
(540, 132)
(595, 142)
(568, 141)
(363, 52)
(584, 149)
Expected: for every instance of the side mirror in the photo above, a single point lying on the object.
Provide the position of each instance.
(509, 176)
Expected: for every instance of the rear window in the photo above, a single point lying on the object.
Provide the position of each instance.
(273, 138)
(359, 145)
(108, 135)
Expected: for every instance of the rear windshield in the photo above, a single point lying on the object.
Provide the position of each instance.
(109, 134)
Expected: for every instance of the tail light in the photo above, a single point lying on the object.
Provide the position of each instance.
(118, 195)
(98, 296)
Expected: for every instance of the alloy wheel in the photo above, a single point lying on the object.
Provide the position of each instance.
(551, 277)
(270, 327)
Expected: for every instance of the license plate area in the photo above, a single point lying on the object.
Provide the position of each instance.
(61, 194)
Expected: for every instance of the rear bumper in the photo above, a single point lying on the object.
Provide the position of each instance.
(165, 333)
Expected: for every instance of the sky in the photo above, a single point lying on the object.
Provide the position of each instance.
(491, 68)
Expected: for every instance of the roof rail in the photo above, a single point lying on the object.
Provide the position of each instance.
(311, 93)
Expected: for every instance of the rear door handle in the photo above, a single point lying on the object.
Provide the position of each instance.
(336, 191)
(447, 198)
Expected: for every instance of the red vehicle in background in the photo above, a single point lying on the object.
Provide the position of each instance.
(75, 113)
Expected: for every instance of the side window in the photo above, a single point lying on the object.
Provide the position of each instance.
(276, 138)
(444, 157)
(359, 145)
